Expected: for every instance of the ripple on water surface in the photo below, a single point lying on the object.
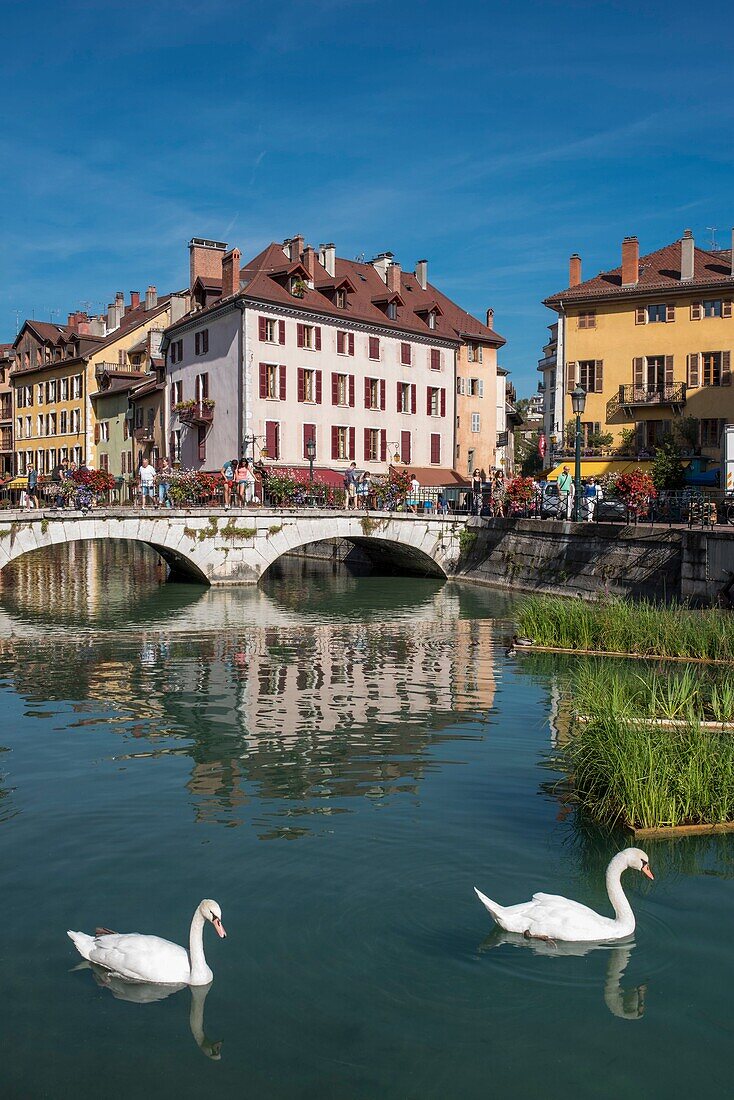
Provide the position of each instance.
(338, 760)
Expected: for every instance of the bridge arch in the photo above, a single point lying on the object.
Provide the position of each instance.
(218, 547)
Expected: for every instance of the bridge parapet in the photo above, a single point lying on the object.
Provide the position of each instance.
(218, 547)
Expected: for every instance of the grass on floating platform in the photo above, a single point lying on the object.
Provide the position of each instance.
(642, 628)
(628, 771)
(680, 693)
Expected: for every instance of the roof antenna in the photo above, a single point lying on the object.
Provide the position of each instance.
(712, 230)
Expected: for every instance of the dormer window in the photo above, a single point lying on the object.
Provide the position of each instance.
(341, 298)
(432, 319)
(392, 311)
(297, 286)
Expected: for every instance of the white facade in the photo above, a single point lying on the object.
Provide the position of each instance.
(338, 382)
(278, 376)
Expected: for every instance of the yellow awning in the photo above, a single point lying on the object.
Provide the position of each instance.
(596, 467)
(17, 483)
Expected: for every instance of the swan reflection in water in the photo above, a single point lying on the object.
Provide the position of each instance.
(147, 992)
(626, 1004)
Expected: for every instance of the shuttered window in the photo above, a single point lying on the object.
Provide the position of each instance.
(435, 449)
(272, 438)
(406, 449)
(694, 370)
(435, 359)
(405, 355)
(309, 433)
(374, 347)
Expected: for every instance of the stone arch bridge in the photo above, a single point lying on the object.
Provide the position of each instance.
(219, 548)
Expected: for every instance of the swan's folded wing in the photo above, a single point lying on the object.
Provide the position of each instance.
(549, 898)
(145, 958)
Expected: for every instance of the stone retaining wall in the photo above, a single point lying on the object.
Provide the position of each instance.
(592, 559)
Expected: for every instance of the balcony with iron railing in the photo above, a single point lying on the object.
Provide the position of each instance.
(146, 434)
(195, 412)
(631, 398)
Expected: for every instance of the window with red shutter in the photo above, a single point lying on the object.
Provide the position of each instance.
(335, 389)
(281, 380)
(352, 443)
(351, 343)
(205, 341)
(281, 332)
(368, 393)
(197, 343)
(435, 359)
(435, 449)
(351, 391)
(340, 342)
(309, 433)
(429, 401)
(382, 394)
(334, 442)
(272, 438)
(318, 387)
(300, 340)
(374, 347)
(405, 450)
(262, 328)
(301, 384)
(201, 443)
(317, 334)
(413, 398)
(263, 380)
(405, 354)
(443, 402)
(383, 445)
(367, 448)
(400, 397)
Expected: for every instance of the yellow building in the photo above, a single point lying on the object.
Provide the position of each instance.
(650, 341)
(58, 367)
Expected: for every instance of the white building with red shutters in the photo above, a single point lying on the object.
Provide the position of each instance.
(299, 345)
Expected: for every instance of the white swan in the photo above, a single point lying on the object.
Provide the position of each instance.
(150, 958)
(550, 917)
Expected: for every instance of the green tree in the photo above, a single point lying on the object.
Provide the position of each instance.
(667, 468)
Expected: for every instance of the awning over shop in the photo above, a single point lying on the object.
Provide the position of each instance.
(16, 483)
(596, 467)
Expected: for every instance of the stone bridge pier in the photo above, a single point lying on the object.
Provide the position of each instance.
(218, 548)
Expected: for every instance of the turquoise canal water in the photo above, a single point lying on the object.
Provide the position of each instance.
(337, 760)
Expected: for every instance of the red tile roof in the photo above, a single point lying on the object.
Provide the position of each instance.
(657, 271)
(264, 279)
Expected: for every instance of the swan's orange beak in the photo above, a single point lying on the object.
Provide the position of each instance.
(646, 871)
(219, 927)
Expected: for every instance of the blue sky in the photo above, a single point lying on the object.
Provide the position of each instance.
(493, 139)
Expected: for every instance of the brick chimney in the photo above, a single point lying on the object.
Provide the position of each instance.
(231, 272)
(381, 262)
(393, 277)
(574, 270)
(490, 318)
(630, 261)
(151, 298)
(295, 248)
(687, 247)
(309, 262)
(421, 273)
(328, 259)
(134, 299)
(115, 311)
(205, 259)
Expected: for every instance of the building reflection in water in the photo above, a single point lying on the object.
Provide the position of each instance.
(307, 714)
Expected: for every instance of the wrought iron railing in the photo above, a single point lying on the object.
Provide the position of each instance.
(630, 397)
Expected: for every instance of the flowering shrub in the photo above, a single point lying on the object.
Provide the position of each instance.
(520, 492)
(389, 490)
(636, 490)
(288, 487)
(93, 482)
(192, 487)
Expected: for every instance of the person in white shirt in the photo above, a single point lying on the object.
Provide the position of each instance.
(414, 499)
(146, 473)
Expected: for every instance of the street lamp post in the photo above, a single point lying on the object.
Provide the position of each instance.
(310, 455)
(578, 403)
